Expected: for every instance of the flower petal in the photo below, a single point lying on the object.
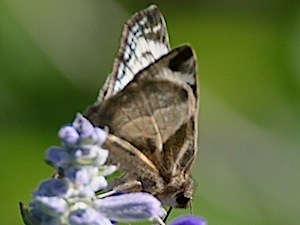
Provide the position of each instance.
(188, 219)
(130, 207)
(53, 187)
(57, 157)
(54, 206)
(68, 135)
(87, 216)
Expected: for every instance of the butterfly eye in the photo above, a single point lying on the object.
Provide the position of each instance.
(182, 200)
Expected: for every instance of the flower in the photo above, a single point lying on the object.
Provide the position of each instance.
(69, 197)
(188, 219)
(130, 207)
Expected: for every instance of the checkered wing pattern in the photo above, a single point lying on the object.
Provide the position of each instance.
(144, 40)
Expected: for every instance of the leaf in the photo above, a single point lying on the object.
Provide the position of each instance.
(27, 219)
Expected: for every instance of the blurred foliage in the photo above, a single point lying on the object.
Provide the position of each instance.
(55, 55)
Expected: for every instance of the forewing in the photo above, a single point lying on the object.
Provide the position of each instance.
(144, 40)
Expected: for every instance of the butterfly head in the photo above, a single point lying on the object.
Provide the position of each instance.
(178, 194)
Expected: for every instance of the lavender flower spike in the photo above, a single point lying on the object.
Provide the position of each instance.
(69, 198)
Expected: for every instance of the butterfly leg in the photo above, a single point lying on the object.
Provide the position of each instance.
(129, 186)
(168, 213)
(159, 221)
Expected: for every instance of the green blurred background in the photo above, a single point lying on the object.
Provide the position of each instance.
(55, 55)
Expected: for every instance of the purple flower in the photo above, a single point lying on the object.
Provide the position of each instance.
(98, 183)
(78, 175)
(52, 206)
(81, 132)
(87, 132)
(83, 192)
(90, 155)
(70, 197)
(53, 187)
(86, 176)
(188, 220)
(68, 135)
(87, 216)
(130, 207)
(58, 157)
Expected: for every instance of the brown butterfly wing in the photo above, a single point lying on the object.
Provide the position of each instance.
(149, 103)
(156, 113)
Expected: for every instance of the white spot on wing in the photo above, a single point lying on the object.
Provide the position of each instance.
(145, 40)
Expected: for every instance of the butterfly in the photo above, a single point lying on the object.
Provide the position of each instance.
(150, 104)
